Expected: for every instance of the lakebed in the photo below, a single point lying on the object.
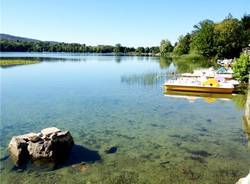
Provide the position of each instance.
(117, 103)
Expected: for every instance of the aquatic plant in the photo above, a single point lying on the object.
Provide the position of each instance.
(7, 62)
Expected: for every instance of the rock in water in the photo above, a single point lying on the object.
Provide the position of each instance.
(51, 145)
(18, 150)
(49, 131)
(111, 150)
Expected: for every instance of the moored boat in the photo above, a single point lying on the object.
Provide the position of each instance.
(226, 73)
(208, 86)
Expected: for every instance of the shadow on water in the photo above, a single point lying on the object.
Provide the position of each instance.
(81, 154)
(4, 158)
(78, 155)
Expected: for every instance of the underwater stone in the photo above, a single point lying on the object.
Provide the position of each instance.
(111, 150)
(55, 148)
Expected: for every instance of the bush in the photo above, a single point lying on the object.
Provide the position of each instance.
(241, 68)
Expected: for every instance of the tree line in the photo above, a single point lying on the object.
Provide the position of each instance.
(43, 46)
(223, 39)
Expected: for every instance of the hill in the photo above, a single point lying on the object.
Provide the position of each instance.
(16, 38)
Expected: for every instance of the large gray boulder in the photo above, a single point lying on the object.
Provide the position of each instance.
(50, 145)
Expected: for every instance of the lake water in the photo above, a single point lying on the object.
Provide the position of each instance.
(112, 101)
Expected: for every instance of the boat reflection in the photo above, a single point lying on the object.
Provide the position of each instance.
(193, 96)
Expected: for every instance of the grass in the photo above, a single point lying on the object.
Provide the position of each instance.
(7, 62)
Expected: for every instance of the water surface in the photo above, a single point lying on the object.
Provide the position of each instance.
(126, 128)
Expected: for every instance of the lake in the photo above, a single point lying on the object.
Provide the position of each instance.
(118, 102)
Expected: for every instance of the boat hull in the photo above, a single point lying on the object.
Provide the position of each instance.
(202, 89)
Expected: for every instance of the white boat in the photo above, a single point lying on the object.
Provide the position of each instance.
(199, 85)
(225, 62)
(211, 73)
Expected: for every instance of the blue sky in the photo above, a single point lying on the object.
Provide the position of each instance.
(129, 22)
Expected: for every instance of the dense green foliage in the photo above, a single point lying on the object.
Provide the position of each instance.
(203, 38)
(20, 46)
(241, 67)
(228, 39)
(183, 46)
(245, 21)
(223, 39)
(166, 47)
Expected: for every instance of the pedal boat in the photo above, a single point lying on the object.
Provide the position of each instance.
(209, 86)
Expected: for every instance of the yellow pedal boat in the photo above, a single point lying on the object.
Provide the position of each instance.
(209, 86)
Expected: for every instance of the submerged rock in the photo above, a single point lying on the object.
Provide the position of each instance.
(51, 145)
(111, 150)
(82, 167)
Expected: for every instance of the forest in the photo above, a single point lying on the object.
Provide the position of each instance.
(210, 39)
(224, 39)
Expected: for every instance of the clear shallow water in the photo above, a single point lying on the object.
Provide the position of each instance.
(116, 101)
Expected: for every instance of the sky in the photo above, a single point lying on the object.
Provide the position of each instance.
(129, 22)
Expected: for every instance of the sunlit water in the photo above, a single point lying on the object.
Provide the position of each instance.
(111, 101)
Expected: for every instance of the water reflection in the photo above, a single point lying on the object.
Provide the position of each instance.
(7, 62)
(118, 59)
(193, 96)
(165, 62)
(191, 64)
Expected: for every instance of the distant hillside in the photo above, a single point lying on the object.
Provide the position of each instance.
(16, 38)
(11, 43)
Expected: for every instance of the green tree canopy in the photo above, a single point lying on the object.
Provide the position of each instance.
(245, 22)
(228, 38)
(203, 38)
(241, 67)
(165, 47)
(117, 48)
(183, 46)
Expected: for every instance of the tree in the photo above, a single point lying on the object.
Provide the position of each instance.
(183, 46)
(203, 38)
(245, 22)
(241, 67)
(140, 50)
(229, 38)
(165, 47)
(154, 50)
(117, 48)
